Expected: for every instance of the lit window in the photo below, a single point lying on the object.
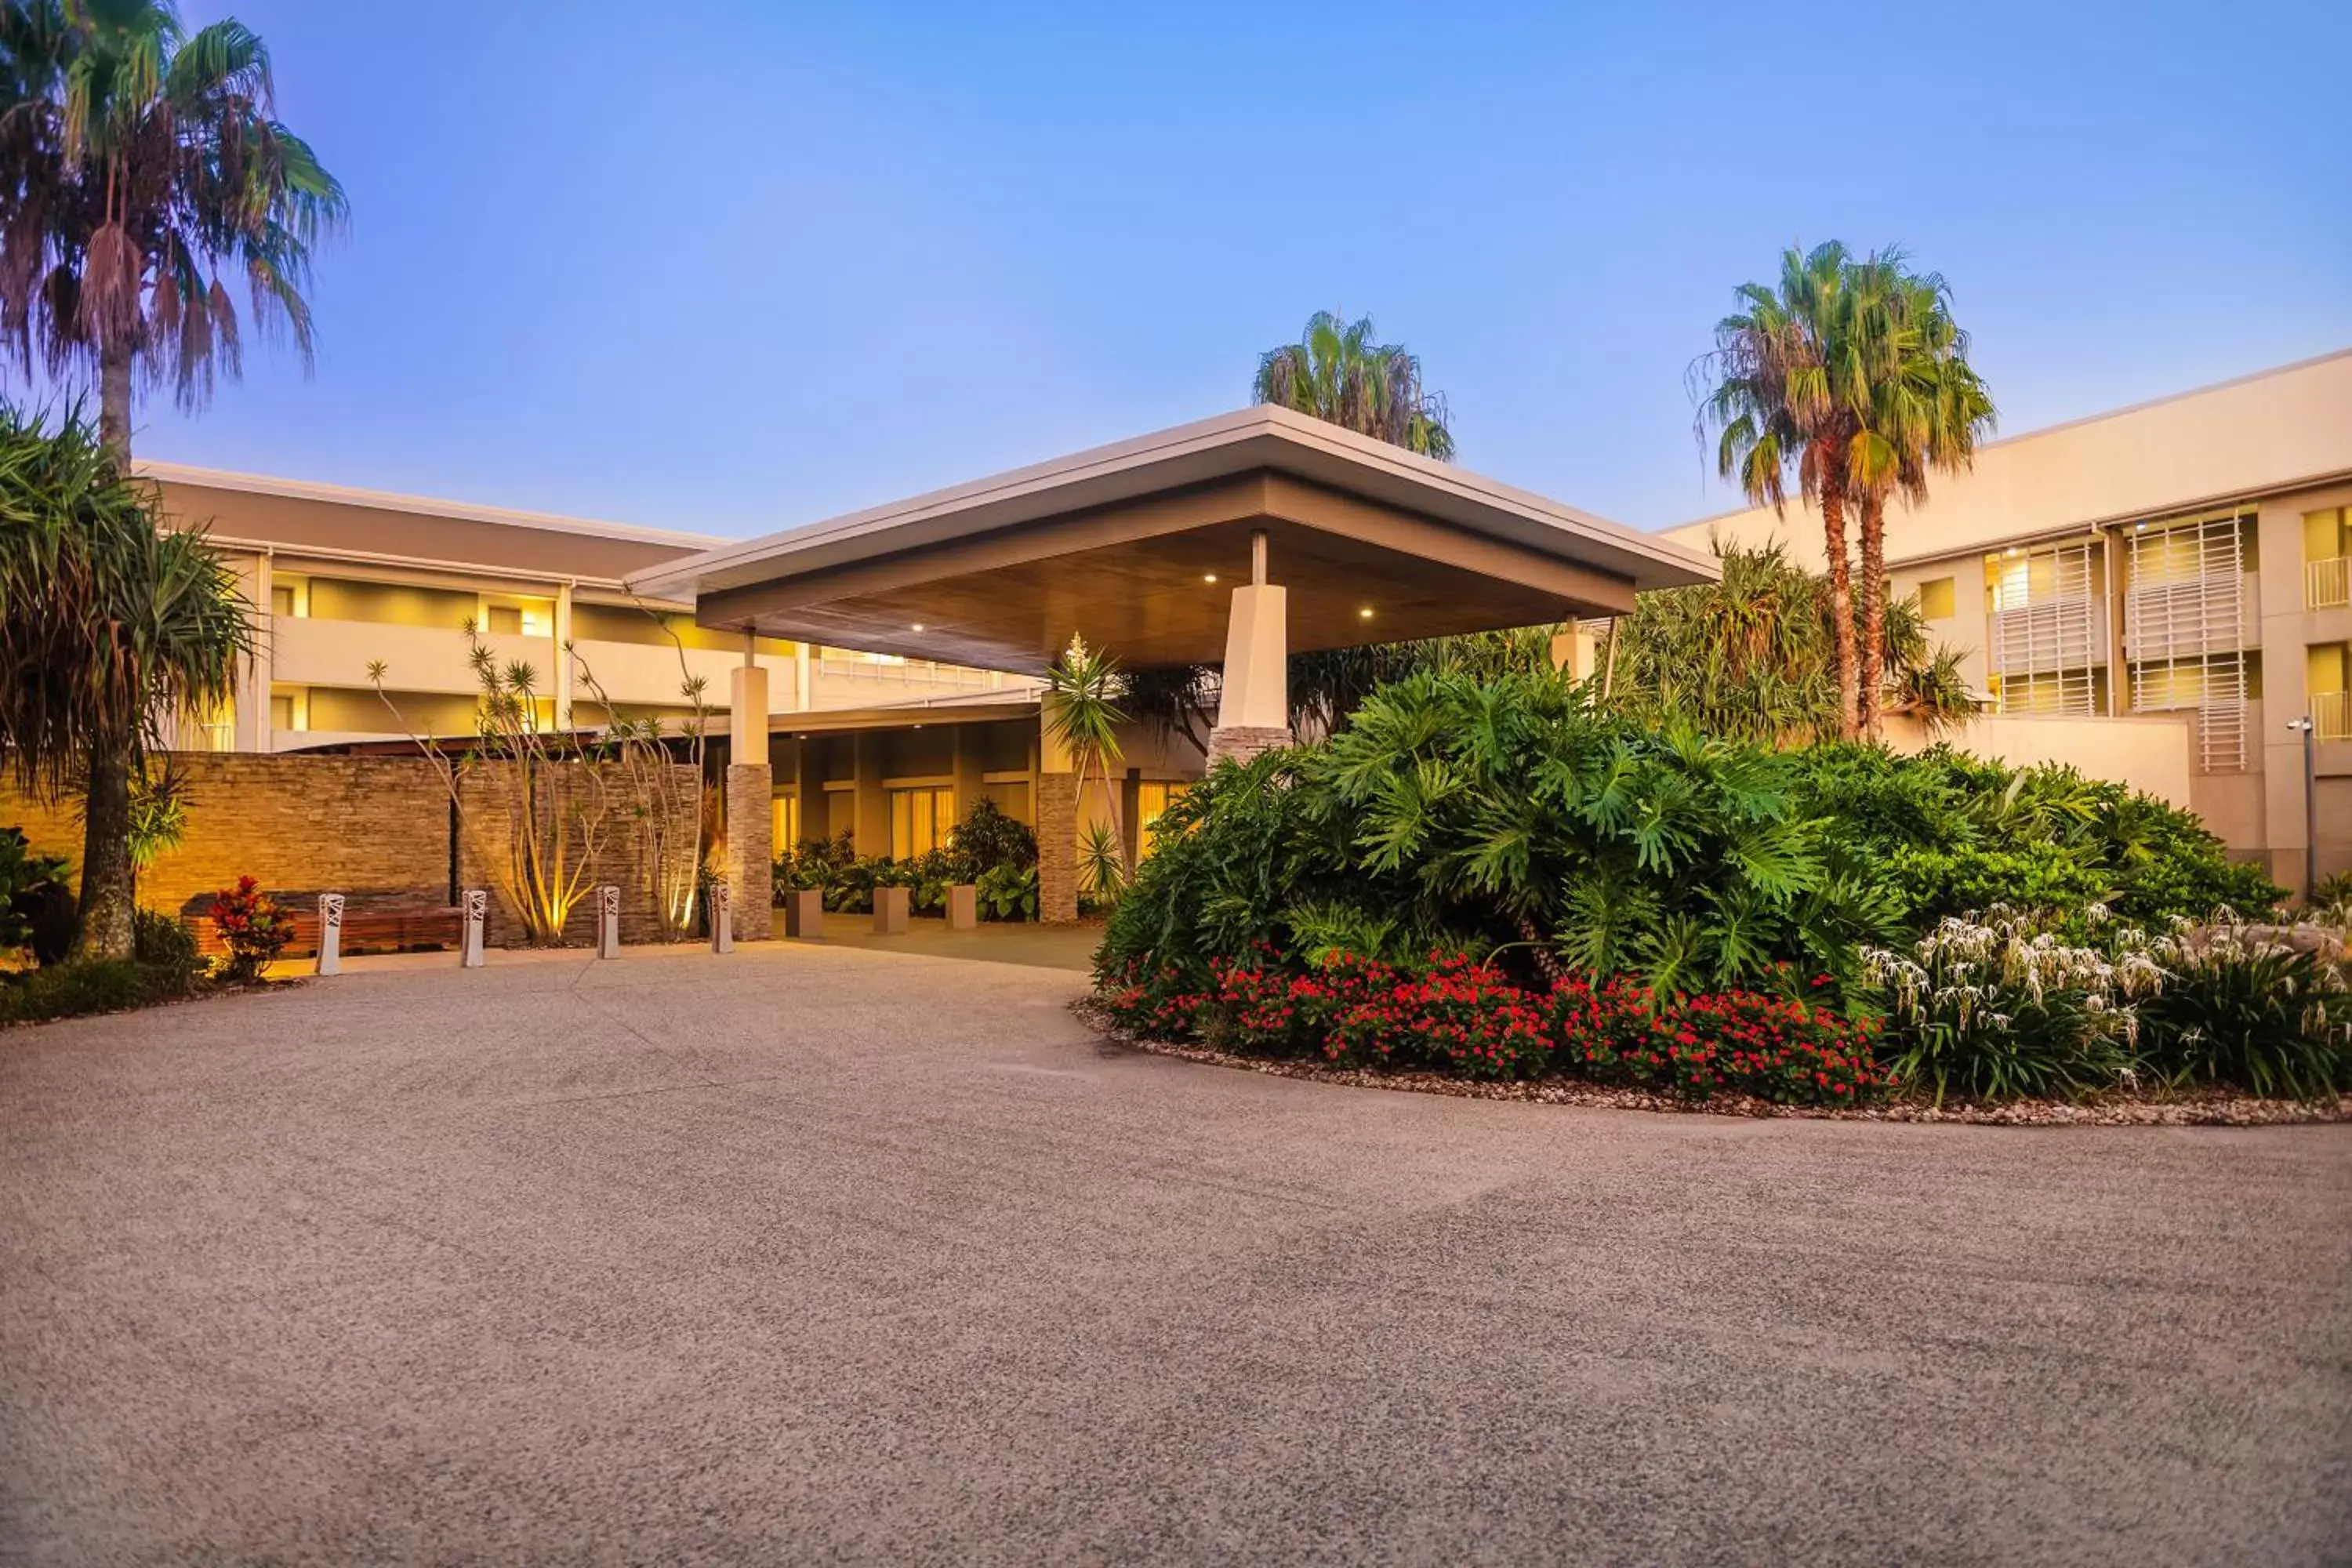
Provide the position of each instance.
(921, 820)
(1936, 599)
(784, 823)
(1152, 797)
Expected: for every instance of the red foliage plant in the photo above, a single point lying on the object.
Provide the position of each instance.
(252, 927)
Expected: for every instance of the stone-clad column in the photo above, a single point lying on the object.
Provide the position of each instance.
(1057, 848)
(1057, 831)
(750, 788)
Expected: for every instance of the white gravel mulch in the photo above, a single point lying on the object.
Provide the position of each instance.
(2192, 1108)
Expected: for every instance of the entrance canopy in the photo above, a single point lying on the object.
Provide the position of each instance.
(1138, 546)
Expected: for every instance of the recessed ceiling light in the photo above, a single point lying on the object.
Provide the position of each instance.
(1208, 576)
(1365, 614)
(919, 625)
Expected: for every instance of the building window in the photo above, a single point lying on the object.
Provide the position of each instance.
(1154, 797)
(2185, 628)
(784, 823)
(2327, 676)
(2328, 558)
(2047, 647)
(1936, 599)
(921, 820)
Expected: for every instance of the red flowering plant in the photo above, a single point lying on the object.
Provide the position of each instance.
(1252, 1006)
(1345, 1003)
(1738, 1042)
(252, 927)
(1462, 1015)
(1156, 1003)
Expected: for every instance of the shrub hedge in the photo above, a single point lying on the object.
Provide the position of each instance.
(1485, 876)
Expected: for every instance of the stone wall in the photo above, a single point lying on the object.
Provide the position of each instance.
(298, 824)
(620, 857)
(378, 829)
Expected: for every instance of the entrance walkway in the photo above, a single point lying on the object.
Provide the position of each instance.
(1024, 942)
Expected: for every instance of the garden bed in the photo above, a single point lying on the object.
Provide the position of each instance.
(2187, 1108)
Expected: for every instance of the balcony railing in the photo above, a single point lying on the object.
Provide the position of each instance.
(2331, 715)
(904, 672)
(2328, 582)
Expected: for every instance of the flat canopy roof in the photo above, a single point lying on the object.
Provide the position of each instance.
(1136, 546)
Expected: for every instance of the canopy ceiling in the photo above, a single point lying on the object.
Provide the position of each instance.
(1137, 547)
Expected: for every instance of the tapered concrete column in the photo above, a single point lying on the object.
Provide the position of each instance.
(1057, 832)
(968, 770)
(567, 677)
(250, 704)
(1572, 653)
(1253, 706)
(750, 786)
(869, 809)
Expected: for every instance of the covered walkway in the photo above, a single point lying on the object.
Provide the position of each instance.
(1233, 542)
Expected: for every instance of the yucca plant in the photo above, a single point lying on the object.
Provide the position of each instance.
(1082, 714)
(1102, 864)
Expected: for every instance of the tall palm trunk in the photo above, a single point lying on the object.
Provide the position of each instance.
(109, 881)
(114, 402)
(109, 884)
(1873, 613)
(1841, 592)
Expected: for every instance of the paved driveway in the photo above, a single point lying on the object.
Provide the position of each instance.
(811, 1255)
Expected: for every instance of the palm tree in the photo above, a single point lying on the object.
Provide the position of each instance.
(139, 168)
(1927, 409)
(1789, 388)
(111, 627)
(1751, 656)
(1336, 371)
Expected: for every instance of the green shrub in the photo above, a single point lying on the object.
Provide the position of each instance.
(167, 947)
(72, 990)
(1501, 816)
(1007, 893)
(814, 864)
(987, 838)
(37, 909)
(1957, 833)
(2242, 1009)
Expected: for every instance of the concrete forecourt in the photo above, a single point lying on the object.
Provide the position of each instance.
(814, 1255)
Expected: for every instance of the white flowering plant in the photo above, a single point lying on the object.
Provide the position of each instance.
(1999, 1005)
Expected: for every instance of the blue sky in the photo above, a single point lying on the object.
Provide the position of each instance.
(732, 266)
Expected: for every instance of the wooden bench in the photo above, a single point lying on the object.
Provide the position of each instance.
(371, 924)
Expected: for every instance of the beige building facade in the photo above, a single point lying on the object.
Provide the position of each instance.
(2184, 559)
(343, 579)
